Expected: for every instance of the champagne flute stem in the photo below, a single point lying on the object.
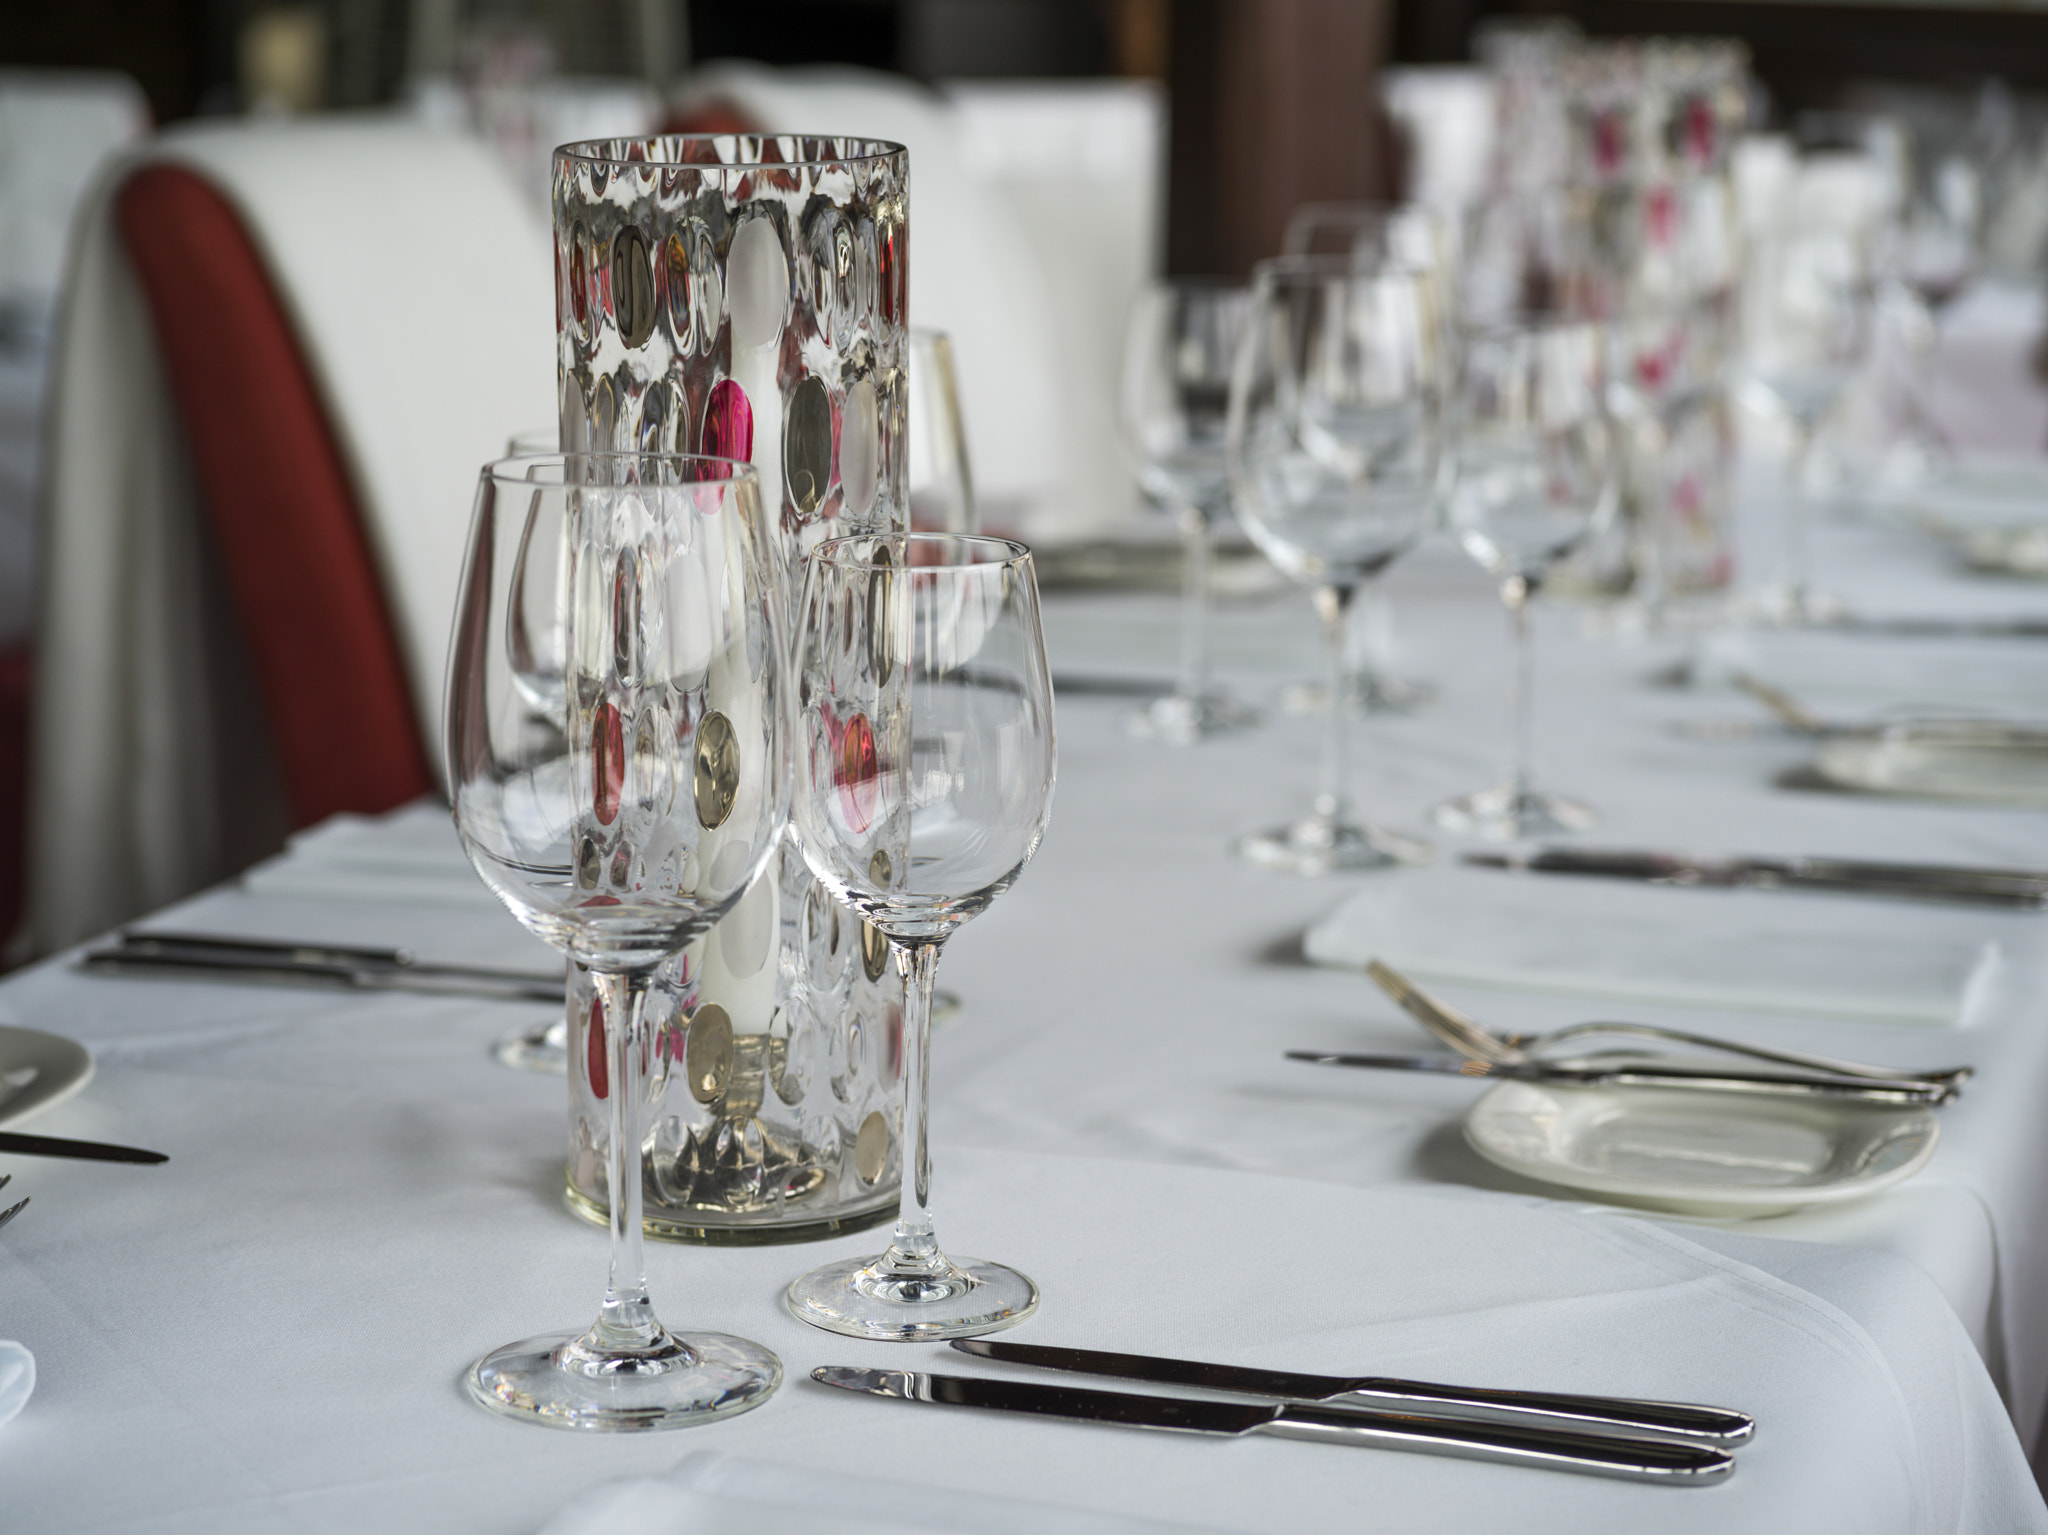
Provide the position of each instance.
(913, 1249)
(1194, 604)
(1795, 525)
(626, 1319)
(1333, 603)
(1515, 592)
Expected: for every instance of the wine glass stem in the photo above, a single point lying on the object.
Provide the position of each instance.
(1516, 592)
(1194, 604)
(1795, 523)
(913, 1249)
(626, 1319)
(1333, 603)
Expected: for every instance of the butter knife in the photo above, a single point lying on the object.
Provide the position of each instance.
(2024, 889)
(1659, 1461)
(368, 969)
(1637, 1072)
(1720, 1427)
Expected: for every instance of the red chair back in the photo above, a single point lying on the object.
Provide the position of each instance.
(285, 519)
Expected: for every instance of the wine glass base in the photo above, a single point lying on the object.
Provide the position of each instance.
(1319, 845)
(860, 1299)
(1793, 607)
(1372, 692)
(687, 1378)
(1500, 814)
(543, 1050)
(1180, 720)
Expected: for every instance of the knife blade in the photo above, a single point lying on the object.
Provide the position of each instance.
(1659, 1461)
(1636, 1072)
(2025, 889)
(363, 968)
(1719, 1427)
(15, 1143)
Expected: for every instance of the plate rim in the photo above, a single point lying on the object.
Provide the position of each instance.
(83, 1067)
(1723, 1199)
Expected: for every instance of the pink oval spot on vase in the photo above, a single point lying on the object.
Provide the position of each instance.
(607, 761)
(595, 1055)
(855, 772)
(729, 422)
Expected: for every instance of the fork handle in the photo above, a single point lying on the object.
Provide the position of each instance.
(1954, 1076)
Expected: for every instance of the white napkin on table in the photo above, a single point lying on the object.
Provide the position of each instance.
(1791, 953)
(17, 1378)
(709, 1491)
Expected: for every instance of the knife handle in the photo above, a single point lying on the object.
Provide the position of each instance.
(1922, 1094)
(1661, 1461)
(1719, 1427)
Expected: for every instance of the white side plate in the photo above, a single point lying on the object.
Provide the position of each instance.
(37, 1070)
(1699, 1153)
(1957, 761)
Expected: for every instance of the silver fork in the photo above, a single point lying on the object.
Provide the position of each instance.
(1476, 1042)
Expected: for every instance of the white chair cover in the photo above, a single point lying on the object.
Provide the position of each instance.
(418, 281)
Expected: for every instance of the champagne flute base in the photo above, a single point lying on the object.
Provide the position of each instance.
(1504, 814)
(1322, 845)
(562, 1381)
(862, 1298)
(1181, 720)
(544, 1050)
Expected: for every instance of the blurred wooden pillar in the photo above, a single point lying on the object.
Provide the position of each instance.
(1273, 104)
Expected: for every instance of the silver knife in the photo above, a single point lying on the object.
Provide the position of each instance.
(1648, 1460)
(1721, 1427)
(2026, 889)
(1637, 1072)
(365, 968)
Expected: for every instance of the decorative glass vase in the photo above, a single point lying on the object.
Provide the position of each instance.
(744, 295)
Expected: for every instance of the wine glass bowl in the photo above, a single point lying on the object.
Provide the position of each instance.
(924, 780)
(618, 752)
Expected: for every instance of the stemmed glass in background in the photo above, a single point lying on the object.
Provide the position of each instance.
(1379, 236)
(1807, 329)
(924, 778)
(1926, 257)
(1178, 349)
(619, 761)
(1335, 443)
(1536, 475)
(939, 483)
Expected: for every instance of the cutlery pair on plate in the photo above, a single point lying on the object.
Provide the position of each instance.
(1671, 1443)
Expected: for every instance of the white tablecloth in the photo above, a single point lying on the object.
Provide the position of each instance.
(269, 1331)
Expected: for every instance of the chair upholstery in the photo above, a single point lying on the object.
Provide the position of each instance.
(283, 514)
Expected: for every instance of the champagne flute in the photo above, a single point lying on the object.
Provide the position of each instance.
(619, 762)
(1536, 467)
(1178, 348)
(1335, 448)
(924, 778)
(940, 484)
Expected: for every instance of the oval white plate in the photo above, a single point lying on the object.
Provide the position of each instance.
(37, 1070)
(1699, 1153)
(1930, 759)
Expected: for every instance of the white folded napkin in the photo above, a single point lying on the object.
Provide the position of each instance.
(1782, 952)
(711, 1491)
(17, 1378)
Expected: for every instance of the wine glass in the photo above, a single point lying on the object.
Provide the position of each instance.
(619, 763)
(1335, 445)
(1404, 237)
(924, 778)
(1807, 329)
(1536, 466)
(940, 485)
(1183, 334)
